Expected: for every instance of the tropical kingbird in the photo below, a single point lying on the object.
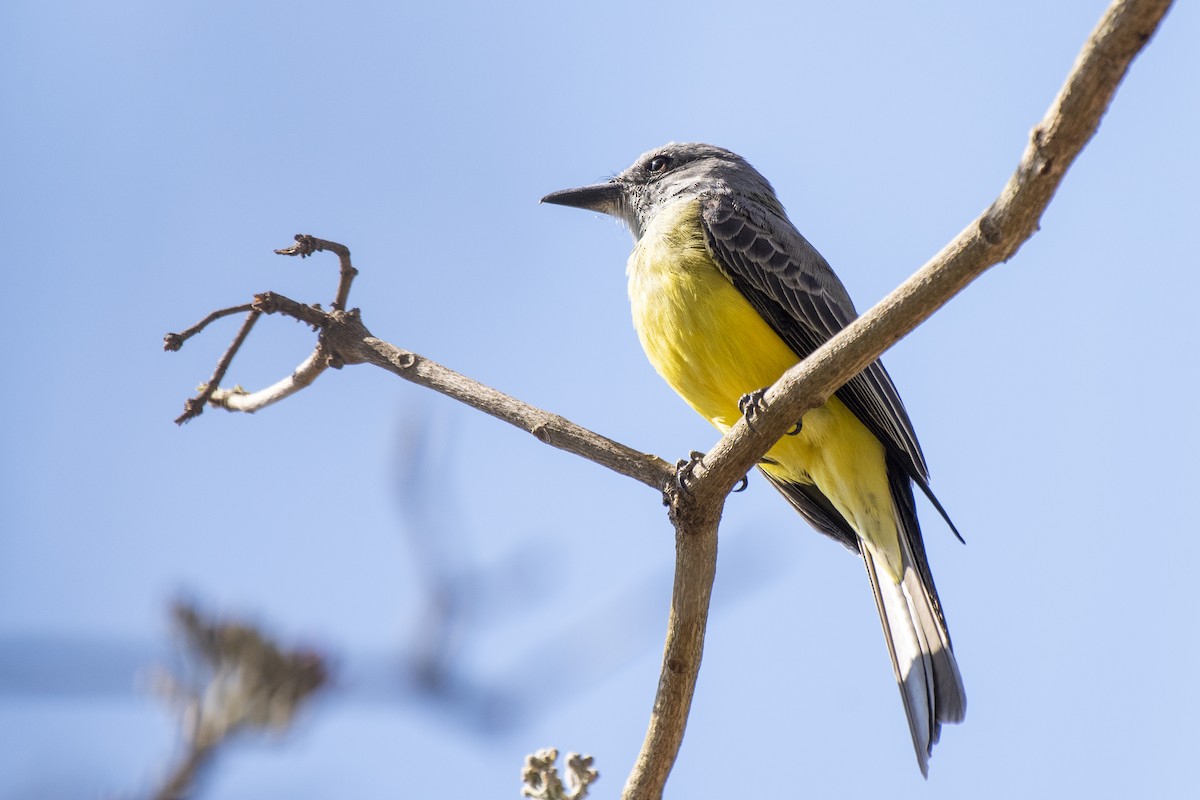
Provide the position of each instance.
(726, 296)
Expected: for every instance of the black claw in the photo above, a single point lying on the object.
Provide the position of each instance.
(799, 426)
(742, 484)
(684, 469)
(750, 405)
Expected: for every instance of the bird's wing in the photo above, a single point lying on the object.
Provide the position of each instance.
(793, 288)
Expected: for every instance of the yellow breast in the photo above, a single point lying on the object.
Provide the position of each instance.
(701, 335)
(712, 347)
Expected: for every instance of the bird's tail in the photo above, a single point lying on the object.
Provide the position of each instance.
(918, 642)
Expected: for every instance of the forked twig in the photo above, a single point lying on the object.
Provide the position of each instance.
(343, 339)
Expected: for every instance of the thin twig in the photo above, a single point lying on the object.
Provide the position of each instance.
(306, 245)
(173, 341)
(302, 376)
(195, 406)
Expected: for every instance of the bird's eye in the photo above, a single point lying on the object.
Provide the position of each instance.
(659, 164)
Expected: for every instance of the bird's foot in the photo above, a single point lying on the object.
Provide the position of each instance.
(684, 469)
(751, 405)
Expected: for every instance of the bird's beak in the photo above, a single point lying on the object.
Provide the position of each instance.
(603, 197)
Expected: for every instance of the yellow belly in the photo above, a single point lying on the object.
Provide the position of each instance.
(712, 347)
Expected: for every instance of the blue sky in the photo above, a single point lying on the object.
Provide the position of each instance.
(155, 153)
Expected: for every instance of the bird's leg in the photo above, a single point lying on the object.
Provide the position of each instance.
(751, 405)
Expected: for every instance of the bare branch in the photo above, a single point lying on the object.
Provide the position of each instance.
(248, 402)
(345, 340)
(696, 526)
(306, 245)
(352, 342)
(174, 341)
(268, 303)
(195, 406)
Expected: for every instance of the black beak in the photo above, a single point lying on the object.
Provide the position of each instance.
(603, 197)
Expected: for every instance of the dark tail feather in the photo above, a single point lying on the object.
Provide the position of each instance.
(918, 641)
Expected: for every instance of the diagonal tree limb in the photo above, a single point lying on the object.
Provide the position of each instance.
(353, 343)
(991, 238)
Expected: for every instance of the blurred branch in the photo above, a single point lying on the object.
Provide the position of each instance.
(466, 594)
(439, 555)
(696, 499)
(250, 684)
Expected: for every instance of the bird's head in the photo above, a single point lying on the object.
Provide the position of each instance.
(664, 176)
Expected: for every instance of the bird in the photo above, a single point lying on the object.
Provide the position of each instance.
(726, 295)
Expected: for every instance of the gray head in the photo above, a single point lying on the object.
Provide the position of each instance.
(666, 175)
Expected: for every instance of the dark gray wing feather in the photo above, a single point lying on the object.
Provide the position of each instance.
(788, 282)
